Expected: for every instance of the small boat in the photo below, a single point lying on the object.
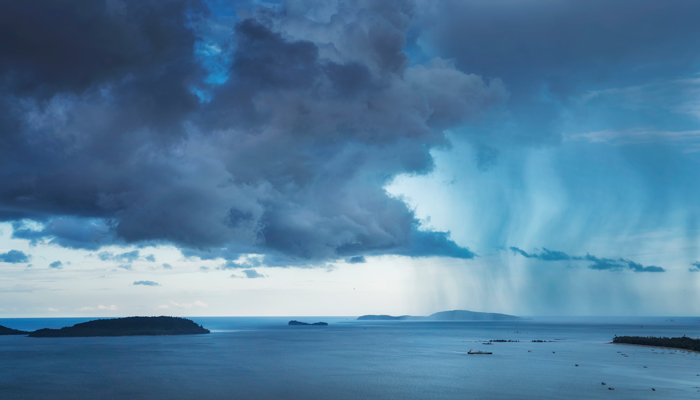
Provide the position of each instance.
(478, 352)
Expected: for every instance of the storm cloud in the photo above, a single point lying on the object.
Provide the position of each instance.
(595, 262)
(114, 130)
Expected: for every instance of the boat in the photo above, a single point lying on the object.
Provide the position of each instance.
(478, 352)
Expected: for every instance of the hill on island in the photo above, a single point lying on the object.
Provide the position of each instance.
(10, 331)
(130, 326)
(454, 315)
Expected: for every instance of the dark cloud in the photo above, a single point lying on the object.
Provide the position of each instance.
(356, 260)
(695, 267)
(104, 140)
(14, 257)
(596, 262)
(167, 266)
(532, 42)
(640, 268)
(127, 267)
(56, 264)
(146, 283)
(51, 47)
(604, 263)
(74, 233)
(544, 254)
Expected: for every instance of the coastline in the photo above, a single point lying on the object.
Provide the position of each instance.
(658, 347)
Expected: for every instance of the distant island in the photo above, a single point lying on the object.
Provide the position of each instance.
(682, 343)
(10, 331)
(454, 315)
(131, 326)
(304, 323)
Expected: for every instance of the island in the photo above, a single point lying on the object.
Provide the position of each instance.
(681, 343)
(130, 326)
(9, 331)
(454, 315)
(294, 322)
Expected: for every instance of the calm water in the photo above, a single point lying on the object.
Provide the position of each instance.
(263, 358)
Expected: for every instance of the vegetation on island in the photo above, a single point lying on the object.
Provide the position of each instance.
(130, 326)
(683, 343)
(294, 322)
(10, 331)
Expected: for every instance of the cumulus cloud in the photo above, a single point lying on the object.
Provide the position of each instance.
(595, 262)
(248, 262)
(695, 267)
(250, 274)
(56, 264)
(146, 283)
(126, 257)
(14, 257)
(285, 153)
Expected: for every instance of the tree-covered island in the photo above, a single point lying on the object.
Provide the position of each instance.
(130, 326)
(294, 322)
(682, 343)
(9, 331)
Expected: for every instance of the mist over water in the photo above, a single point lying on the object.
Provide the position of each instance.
(256, 358)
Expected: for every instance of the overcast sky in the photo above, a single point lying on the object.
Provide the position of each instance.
(532, 157)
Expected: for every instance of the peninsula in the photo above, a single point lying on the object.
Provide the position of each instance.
(10, 331)
(294, 322)
(681, 343)
(130, 326)
(454, 315)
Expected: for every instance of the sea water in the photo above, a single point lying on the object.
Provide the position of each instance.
(264, 358)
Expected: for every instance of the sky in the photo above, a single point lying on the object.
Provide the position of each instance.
(251, 158)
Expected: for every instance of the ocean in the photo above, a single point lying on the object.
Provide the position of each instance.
(264, 358)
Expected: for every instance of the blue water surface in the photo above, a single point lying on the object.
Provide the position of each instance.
(264, 358)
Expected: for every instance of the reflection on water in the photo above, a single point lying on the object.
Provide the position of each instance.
(260, 358)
